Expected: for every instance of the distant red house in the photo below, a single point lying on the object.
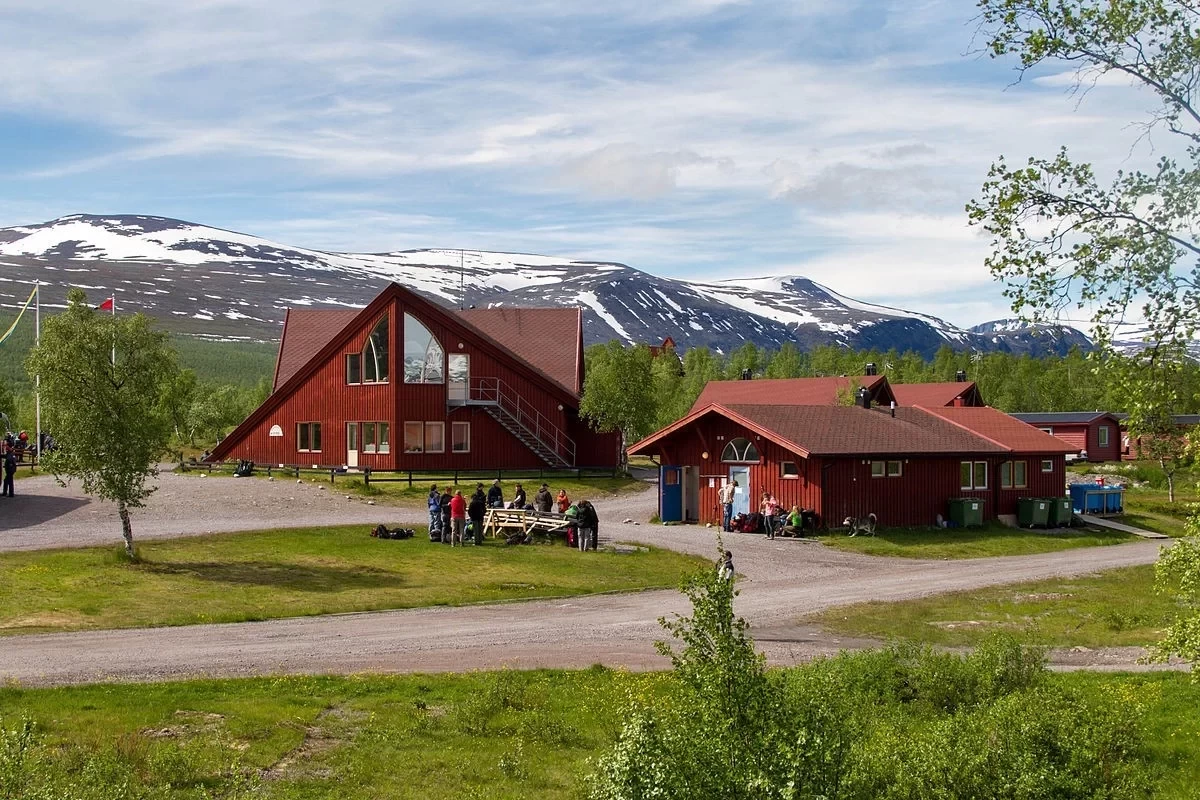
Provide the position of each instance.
(1093, 435)
(794, 391)
(407, 384)
(657, 349)
(852, 460)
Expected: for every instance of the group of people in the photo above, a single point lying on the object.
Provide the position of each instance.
(772, 518)
(451, 515)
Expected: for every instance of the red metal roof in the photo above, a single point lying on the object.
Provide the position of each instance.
(784, 391)
(930, 395)
(548, 338)
(1004, 430)
(305, 332)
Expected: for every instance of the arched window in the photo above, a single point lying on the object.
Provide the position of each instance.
(375, 354)
(740, 450)
(424, 359)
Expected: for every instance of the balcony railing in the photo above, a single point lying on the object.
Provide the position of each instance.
(495, 392)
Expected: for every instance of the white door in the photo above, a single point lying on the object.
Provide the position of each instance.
(741, 495)
(351, 444)
(458, 368)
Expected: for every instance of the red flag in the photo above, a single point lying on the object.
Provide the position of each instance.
(107, 305)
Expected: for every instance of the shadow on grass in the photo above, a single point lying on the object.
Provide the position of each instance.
(296, 577)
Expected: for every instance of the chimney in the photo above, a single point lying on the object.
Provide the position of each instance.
(893, 409)
(746, 375)
(870, 369)
(863, 397)
(960, 376)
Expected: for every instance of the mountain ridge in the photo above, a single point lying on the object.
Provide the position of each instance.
(218, 283)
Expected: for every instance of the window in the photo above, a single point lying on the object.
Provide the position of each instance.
(376, 437)
(1103, 433)
(375, 354)
(1012, 475)
(1047, 465)
(308, 437)
(423, 354)
(351, 435)
(878, 469)
(414, 437)
(788, 469)
(435, 437)
(972, 475)
(1047, 430)
(740, 450)
(460, 437)
(895, 469)
(353, 367)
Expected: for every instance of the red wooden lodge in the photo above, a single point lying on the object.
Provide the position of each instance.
(1092, 435)
(405, 384)
(902, 464)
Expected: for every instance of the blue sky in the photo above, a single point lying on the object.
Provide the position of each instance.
(691, 138)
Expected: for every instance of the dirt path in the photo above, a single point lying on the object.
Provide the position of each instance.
(783, 579)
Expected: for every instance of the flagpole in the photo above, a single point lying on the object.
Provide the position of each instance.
(37, 391)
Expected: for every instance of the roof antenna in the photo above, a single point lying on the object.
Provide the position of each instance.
(462, 283)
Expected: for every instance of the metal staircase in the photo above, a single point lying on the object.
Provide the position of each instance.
(517, 416)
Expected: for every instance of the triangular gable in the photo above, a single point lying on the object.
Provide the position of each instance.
(363, 317)
(720, 410)
(305, 332)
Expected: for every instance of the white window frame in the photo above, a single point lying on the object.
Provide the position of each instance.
(1102, 437)
(791, 474)
(878, 469)
(431, 426)
(1009, 480)
(899, 471)
(1047, 465)
(459, 426)
(309, 428)
(419, 429)
(972, 485)
(1049, 431)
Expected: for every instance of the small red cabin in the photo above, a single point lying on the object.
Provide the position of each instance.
(1093, 435)
(405, 384)
(903, 464)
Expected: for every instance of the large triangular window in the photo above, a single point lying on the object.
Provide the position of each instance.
(424, 358)
(739, 451)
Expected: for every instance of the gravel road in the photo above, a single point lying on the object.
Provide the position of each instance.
(779, 581)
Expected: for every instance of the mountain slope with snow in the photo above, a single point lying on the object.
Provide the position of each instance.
(211, 282)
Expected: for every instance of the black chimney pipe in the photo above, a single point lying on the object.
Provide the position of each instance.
(863, 397)
(746, 375)
(870, 369)
(960, 376)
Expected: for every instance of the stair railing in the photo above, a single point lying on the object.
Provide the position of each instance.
(494, 391)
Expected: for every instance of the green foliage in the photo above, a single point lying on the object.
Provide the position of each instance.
(618, 392)
(108, 417)
(901, 723)
(1177, 575)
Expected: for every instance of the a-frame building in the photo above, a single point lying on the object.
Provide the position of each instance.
(405, 384)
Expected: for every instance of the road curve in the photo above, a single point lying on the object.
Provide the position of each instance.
(781, 580)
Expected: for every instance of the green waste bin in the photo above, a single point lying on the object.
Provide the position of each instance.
(1060, 512)
(1033, 512)
(966, 512)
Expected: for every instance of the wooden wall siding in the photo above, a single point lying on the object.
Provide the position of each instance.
(915, 497)
(1074, 435)
(326, 398)
(1110, 453)
(592, 449)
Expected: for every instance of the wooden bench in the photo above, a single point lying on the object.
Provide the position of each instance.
(498, 521)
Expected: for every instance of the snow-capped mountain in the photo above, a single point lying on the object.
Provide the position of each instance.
(218, 283)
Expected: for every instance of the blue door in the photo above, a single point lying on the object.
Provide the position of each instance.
(670, 495)
(741, 493)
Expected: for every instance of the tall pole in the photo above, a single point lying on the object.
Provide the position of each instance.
(37, 379)
(114, 347)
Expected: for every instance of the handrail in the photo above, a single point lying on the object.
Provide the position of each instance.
(497, 392)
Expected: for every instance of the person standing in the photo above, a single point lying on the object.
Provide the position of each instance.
(543, 499)
(726, 497)
(458, 517)
(444, 507)
(589, 526)
(725, 569)
(768, 508)
(477, 510)
(519, 500)
(434, 503)
(563, 501)
(10, 469)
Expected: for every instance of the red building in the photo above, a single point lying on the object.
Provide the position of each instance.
(932, 395)
(1092, 435)
(407, 384)
(902, 465)
(795, 391)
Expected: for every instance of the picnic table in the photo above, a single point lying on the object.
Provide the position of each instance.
(504, 521)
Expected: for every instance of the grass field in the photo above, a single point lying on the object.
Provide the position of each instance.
(1113, 608)
(990, 540)
(486, 735)
(290, 573)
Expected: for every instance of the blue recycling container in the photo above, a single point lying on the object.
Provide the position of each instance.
(1088, 498)
(1114, 500)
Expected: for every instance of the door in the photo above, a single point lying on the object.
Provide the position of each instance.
(670, 494)
(691, 494)
(351, 444)
(741, 493)
(458, 379)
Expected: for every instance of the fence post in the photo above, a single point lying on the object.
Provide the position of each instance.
(366, 476)
(410, 479)
(268, 470)
(332, 470)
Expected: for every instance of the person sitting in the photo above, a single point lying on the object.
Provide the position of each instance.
(519, 500)
(563, 501)
(495, 496)
(793, 523)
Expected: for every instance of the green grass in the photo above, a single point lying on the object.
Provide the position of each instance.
(1112, 608)
(990, 540)
(484, 735)
(290, 573)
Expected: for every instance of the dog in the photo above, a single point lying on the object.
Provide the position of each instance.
(864, 525)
